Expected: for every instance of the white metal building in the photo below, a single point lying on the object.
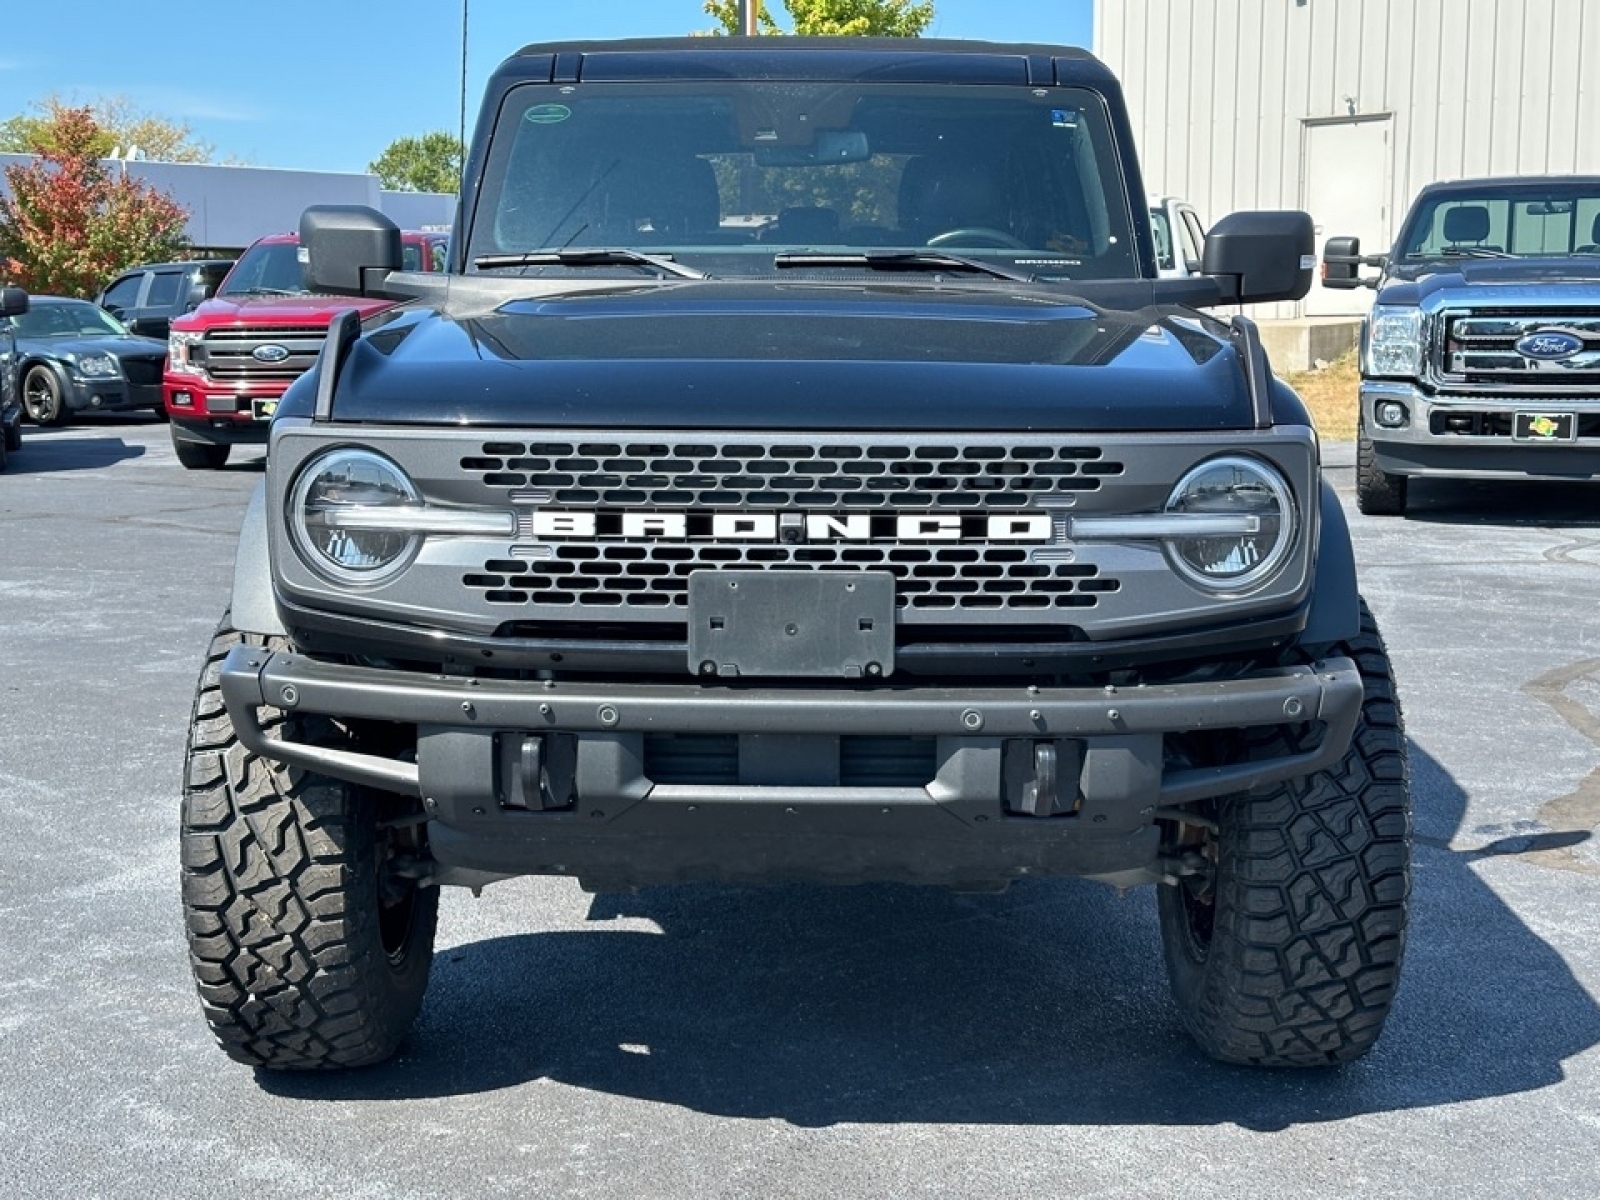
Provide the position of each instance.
(1346, 107)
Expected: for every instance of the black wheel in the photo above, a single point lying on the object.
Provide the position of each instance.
(201, 456)
(310, 951)
(1378, 493)
(41, 397)
(1287, 951)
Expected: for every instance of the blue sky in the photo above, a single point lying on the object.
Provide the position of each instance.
(326, 85)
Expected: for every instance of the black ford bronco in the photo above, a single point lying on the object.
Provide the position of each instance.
(800, 474)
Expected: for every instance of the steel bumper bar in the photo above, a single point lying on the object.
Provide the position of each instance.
(1328, 692)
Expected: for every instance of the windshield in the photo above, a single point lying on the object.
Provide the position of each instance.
(67, 318)
(1506, 221)
(727, 175)
(267, 269)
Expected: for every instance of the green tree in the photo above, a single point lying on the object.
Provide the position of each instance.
(118, 123)
(430, 163)
(834, 18)
(69, 225)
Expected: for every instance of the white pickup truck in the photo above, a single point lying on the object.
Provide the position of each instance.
(1179, 237)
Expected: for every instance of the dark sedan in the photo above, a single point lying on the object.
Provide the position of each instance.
(68, 356)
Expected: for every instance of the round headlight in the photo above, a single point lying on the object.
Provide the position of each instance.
(330, 517)
(1242, 488)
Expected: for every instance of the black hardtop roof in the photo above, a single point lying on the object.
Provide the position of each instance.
(826, 58)
(1509, 183)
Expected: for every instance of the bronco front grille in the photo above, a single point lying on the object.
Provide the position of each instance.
(736, 475)
(1481, 347)
(757, 474)
(976, 529)
(971, 578)
(231, 353)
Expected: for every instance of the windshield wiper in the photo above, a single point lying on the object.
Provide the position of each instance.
(265, 291)
(589, 256)
(1473, 252)
(898, 260)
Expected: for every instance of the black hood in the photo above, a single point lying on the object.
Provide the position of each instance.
(772, 355)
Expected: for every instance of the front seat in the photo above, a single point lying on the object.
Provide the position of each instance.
(1594, 233)
(1465, 227)
(939, 194)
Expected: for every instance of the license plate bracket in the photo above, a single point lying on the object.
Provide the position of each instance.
(819, 624)
(1547, 428)
(262, 409)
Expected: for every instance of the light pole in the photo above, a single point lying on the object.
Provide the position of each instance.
(748, 12)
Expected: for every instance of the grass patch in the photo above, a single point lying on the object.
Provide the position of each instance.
(1331, 394)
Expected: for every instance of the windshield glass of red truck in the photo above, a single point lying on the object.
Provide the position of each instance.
(737, 178)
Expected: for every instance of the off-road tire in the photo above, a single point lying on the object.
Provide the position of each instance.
(300, 962)
(201, 456)
(1378, 493)
(1290, 955)
(42, 399)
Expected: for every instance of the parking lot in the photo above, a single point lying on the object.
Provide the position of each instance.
(723, 1042)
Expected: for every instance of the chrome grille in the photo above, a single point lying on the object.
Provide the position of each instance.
(1481, 347)
(229, 353)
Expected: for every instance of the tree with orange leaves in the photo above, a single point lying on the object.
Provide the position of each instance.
(69, 224)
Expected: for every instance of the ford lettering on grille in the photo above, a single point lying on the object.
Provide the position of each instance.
(1549, 345)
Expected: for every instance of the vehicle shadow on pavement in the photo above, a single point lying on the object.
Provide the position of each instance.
(1501, 502)
(1045, 1005)
(49, 452)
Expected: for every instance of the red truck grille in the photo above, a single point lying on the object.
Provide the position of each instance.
(252, 354)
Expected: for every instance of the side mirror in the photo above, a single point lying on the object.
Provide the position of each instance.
(1342, 263)
(1260, 256)
(347, 249)
(13, 302)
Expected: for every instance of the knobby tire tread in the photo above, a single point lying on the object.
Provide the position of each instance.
(1312, 892)
(280, 896)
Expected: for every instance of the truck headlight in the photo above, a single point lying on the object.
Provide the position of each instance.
(335, 517)
(179, 347)
(1257, 510)
(1394, 342)
(95, 366)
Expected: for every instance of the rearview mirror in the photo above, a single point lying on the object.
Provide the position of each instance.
(1342, 262)
(13, 302)
(829, 146)
(347, 249)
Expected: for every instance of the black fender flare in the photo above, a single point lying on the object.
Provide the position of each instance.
(1335, 614)
(255, 604)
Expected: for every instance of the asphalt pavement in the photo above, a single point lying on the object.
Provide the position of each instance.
(791, 1042)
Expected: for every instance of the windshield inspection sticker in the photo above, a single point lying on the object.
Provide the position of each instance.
(547, 114)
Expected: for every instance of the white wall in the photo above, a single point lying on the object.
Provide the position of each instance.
(1221, 92)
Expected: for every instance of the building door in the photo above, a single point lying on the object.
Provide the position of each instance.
(1345, 185)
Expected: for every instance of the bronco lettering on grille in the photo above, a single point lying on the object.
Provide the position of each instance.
(792, 528)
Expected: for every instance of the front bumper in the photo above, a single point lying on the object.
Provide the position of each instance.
(203, 414)
(111, 395)
(1426, 445)
(551, 778)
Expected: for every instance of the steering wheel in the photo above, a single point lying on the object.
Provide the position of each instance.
(982, 234)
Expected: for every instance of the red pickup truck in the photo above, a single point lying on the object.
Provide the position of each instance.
(230, 360)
